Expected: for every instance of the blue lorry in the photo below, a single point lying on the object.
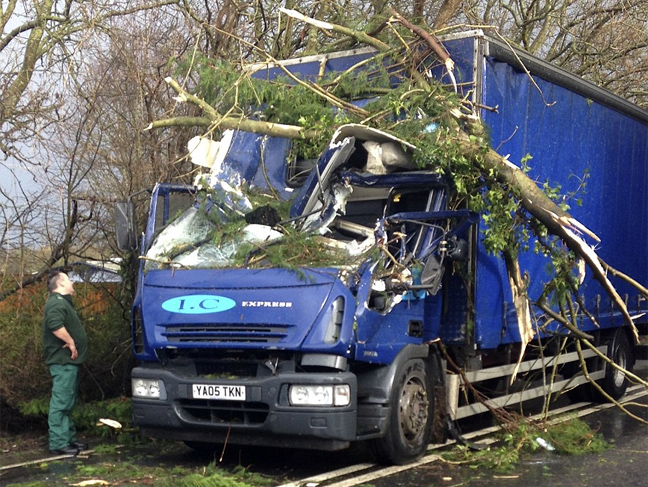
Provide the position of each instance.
(370, 347)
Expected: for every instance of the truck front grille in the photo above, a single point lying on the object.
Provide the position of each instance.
(217, 412)
(227, 368)
(223, 333)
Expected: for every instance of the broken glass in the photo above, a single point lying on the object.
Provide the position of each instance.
(363, 208)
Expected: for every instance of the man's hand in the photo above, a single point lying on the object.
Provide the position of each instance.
(63, 335)
(73, 351)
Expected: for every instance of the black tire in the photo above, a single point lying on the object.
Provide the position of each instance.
(615, 383)
(411, 416)
(621, 352)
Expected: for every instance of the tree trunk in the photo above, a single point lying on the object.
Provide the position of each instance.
(558, 222)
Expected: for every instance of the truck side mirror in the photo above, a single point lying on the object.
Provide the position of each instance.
(125, 225)
(432, 275)
(458, 249)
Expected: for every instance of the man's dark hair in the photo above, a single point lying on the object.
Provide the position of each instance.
(53, 279)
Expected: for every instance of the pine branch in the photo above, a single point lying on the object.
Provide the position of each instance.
(213, 118)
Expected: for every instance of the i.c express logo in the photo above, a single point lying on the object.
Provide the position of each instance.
(198, 304)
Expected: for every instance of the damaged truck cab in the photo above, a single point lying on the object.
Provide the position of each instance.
(306, 357)
(232, 348)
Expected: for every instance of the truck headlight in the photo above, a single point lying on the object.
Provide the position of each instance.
(320, 395)
(147, 388)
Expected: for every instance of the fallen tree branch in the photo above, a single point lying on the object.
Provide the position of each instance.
(521, 302)
(594, 384)
(213, 118)
(624, 277)
(180, 122)
(556, 220)
(333, 100)
(430, 39)
(487, 161)
(359, 36)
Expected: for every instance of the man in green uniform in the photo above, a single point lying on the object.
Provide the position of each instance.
(66, 347)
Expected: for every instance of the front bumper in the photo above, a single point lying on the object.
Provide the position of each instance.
(264, 418)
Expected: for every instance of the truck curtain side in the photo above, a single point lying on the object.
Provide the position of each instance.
(320, 357)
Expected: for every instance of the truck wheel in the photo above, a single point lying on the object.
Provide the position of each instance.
(620, 351)
(411, 416)
(615, 382)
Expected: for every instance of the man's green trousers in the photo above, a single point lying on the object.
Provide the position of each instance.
(65, 386)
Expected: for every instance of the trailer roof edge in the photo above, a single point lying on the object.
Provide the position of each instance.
(519, 59)
(499, 49)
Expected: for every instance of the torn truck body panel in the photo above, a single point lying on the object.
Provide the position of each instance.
(343, 200)
(317, 353)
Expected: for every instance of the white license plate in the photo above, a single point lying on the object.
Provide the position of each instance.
(211, 391)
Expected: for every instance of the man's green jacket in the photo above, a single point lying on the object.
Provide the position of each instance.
(59, 312)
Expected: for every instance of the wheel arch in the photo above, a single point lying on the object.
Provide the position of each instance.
(375, 385)
(375, 390)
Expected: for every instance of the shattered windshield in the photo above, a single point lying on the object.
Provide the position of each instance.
(213, 234)
(337, 219)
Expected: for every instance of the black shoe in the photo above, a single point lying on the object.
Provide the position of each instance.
(80, 446)
(66, 450)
